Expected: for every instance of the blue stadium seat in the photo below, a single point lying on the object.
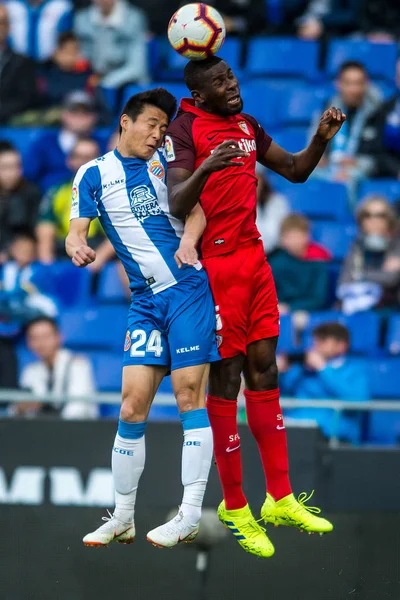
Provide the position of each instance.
(319, 199)
(101, 328)
(24, 357)
(262, 102)
(393, 335)
(110, 288)
(282, 56)
(379, 59)
(384, 380)
(22, 138)
(291, 139)
(337, 237)
(386, 187)
(301, 105)
(384, 427)
(286, 341)
(72, 285)
(107, 367)
(364, 329)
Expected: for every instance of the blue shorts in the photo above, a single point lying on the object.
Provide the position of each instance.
(174, 328)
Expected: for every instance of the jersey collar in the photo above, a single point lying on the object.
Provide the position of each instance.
(129, 160)
(188, 105)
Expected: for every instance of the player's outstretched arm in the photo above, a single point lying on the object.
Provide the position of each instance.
(299, 166)
(76, 242)
(194, 228)
(184, 187)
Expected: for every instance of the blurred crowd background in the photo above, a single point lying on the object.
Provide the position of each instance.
(333, 243)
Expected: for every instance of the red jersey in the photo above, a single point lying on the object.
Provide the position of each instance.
(317, 252)
(229, 197)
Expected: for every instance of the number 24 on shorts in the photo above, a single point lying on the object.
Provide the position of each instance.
(139, 344)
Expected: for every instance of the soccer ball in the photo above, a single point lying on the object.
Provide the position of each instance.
(196, 31)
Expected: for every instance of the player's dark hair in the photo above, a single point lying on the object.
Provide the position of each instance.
(6, 146)
(158, 97)
(193, 74)
(332, 329)
(42, 319)
(352, 64)
(64, 37)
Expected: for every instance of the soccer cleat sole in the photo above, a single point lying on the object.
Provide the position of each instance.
(115, 541)
(187, 540)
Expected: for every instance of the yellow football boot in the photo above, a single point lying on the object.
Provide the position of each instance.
(248, 533)
(294, 513)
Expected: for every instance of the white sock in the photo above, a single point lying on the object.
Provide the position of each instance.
(197, 454)
(128, 458)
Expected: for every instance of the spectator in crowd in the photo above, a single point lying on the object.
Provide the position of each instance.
(299, 268)
(388, 118)
(65, 72)
(53, 224)
(47, 163)
(334, 17)
(272, 208)
(380, 21)
(19, 199)
(112, 34)
(26, 287)
(58, 372)
(17, 76)
(35, 25)
(243, 16)
(370, 275)
(352, 153)
(327, 373)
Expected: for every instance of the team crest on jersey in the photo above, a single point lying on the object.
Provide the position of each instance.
(143, 203)
(127, 344)
(169, 149)
(157, 169)
(243, 127)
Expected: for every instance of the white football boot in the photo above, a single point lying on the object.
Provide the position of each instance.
(175, 531)
(112, 531)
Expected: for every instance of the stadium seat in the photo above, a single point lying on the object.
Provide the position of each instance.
(24, 357)
(291, 139)
(379, 59)
(364, 329)
(301, 105)
(110, 288)
(386, 187)
(282, 56)
(384, 427)
(384, 378)
(22, 138)
(286, 341)
(337, 237)
(393, 335)
(262, 102)
(101, 328)
(107, 367)
(320, 199)
(72, 285)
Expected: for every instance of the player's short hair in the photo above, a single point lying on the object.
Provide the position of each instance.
(158, 97)
(352, 64)
(64, 37)
(332, 329)
(43, 319)
(295, 221)
(193, 74)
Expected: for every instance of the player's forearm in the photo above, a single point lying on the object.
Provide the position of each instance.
(304, 162)
(73, 242)
(184, 195)
(195, 224)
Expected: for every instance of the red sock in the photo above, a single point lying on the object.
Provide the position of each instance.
(264, 416)
(223, 419)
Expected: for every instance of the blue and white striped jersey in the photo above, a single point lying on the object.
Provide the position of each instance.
(129, 195)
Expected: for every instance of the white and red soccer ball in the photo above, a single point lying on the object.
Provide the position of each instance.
(196, 31)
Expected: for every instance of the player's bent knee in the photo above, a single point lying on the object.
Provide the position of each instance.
(132, 410)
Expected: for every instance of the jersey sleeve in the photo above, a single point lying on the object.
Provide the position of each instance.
(179, 146)
(84, 193)
(263, 140)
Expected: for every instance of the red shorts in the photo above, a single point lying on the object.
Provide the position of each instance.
(245, 297)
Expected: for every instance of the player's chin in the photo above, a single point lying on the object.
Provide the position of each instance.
(234, 109)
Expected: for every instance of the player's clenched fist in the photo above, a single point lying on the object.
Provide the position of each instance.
(83, 256)
(330, 123)
(224, 156)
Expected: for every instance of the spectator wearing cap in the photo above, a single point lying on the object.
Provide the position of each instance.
(370, 275)
(65, 72)
(47, 165)
(272, 208)
(19, 198)
(17, 76)
(327, 373)
(112, 34)
(35, 25)
(54, 213)
(299, 267)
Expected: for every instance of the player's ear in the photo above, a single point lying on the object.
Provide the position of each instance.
(124, 122)
(196, 95)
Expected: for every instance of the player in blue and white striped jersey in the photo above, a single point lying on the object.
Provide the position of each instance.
(171, 322)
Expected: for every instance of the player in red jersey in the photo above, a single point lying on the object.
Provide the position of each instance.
(212, 149)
